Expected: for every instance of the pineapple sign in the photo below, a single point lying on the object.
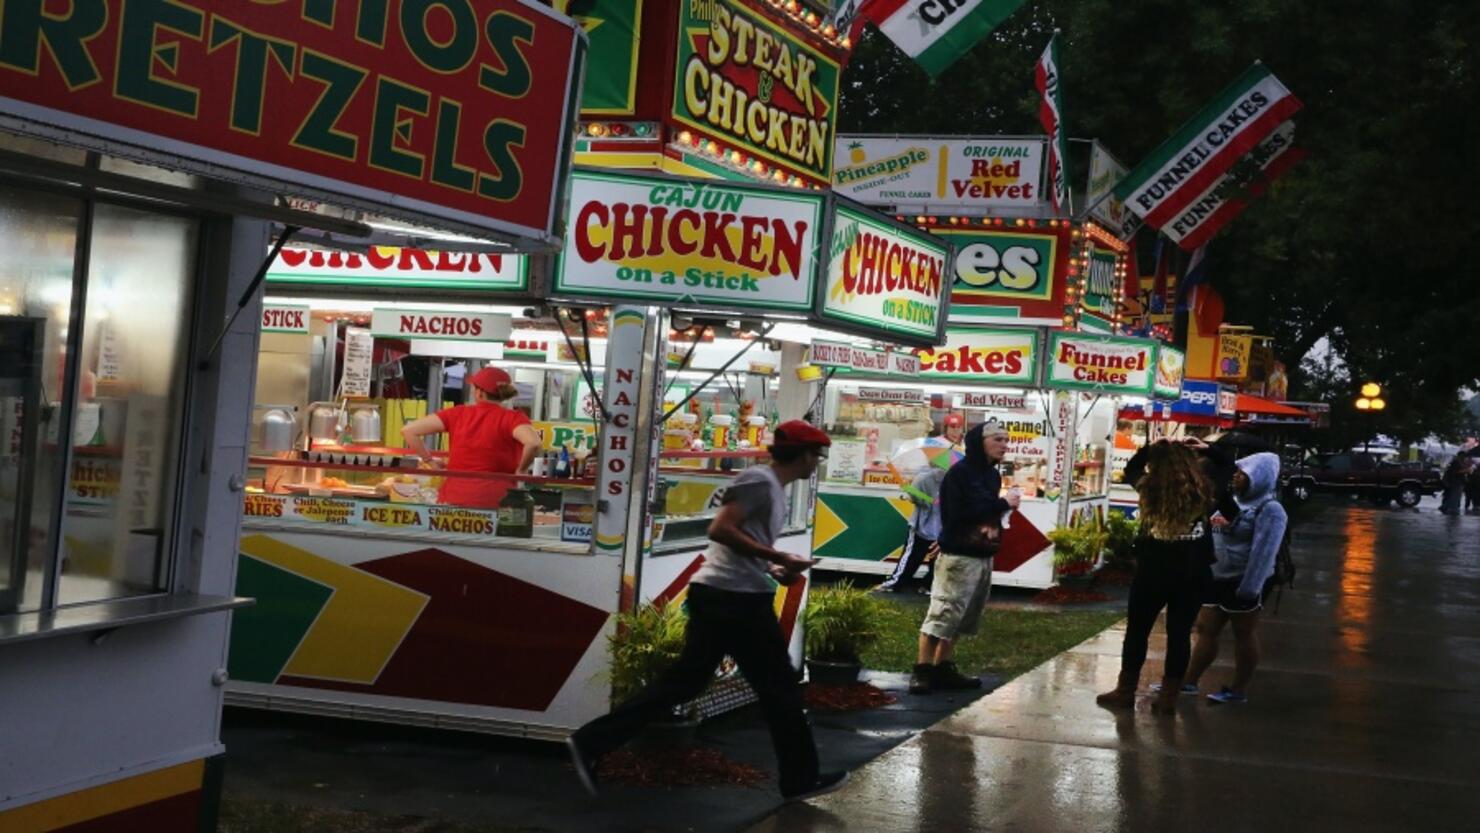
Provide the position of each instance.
(922, 173)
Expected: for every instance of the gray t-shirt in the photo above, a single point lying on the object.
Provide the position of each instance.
(758, 492)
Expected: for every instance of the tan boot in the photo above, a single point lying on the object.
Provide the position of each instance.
(1166, 699)
(1124, 694)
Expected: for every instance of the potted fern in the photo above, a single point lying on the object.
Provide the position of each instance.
(842, 621)
(647, 642)
(1120, 542)
(1076, 549)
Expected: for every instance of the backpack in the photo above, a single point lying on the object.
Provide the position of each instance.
(1284, 563)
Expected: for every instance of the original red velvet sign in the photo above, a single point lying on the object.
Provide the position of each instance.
(455, 112)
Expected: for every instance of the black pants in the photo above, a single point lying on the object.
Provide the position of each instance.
(1169, 574)
(722, 623)
(909, 563)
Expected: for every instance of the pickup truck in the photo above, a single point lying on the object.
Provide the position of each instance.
(1356, 473)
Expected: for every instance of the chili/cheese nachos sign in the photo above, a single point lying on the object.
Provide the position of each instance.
(686, 241)
(451, 112)
(1107, 364)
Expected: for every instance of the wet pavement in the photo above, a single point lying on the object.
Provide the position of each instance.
(1363, 716)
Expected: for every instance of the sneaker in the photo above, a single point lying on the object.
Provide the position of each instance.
(825, 783)
(1228, 695)
(1188, 689)
(585, 767)
(947, 678)
(920, 679)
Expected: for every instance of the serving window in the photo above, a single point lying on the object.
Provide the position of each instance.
(95, 314)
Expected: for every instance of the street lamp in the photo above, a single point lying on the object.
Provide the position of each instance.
(1371, 400)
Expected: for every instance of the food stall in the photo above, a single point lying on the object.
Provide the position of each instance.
(1022, 276)
(340, 519)
(142, 189)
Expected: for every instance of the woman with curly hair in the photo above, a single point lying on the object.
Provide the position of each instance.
(1174, 554)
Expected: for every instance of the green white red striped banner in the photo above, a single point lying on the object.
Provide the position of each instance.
(937, 32)
(1215, 207)
(1050, 114)
(1186, 165)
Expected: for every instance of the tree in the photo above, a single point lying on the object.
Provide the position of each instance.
(1366, 243)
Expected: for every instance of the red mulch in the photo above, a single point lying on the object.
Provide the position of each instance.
(1061, 596)
(692, 766)
(1116, 578)
(847, 698)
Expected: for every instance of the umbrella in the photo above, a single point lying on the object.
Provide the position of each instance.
(1241, 442)
(934, 451)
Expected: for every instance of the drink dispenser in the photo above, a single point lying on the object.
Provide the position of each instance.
(364, 425)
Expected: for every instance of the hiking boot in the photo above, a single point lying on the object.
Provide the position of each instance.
(1228, 696)
(825, 783)
(920, 679)
(1166, 698)
(1123, 696)
(585, 766)
(945, 677)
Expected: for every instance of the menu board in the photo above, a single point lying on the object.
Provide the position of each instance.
(846, 460)
(359, 352)
(372, 514)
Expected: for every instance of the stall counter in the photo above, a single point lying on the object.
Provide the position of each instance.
(863, 529)
(411, 625)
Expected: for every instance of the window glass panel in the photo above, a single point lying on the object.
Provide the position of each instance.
(39, 231)
(126, 427)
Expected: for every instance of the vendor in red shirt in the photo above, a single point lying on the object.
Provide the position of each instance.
(486, 436)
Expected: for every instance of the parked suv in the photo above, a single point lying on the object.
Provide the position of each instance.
(1357, 473)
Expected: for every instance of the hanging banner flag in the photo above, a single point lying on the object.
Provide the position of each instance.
(1175, 174)
(937, 32)
(1050, 114)
(1227, 198)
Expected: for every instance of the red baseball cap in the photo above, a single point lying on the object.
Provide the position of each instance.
(489, 378)
(955, 419)
(796, 432)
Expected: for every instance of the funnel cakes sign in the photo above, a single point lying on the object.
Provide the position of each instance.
(1104, 364)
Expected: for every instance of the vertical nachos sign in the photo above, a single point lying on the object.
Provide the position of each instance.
(447, 112)
(666, 240)
(745, 80)
(884, 278)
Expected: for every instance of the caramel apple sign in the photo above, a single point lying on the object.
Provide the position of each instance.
(672, 240)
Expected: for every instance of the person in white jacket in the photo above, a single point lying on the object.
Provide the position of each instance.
(1247, 546)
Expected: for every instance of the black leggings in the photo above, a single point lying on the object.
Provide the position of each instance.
(743, 626)
(1174, 575)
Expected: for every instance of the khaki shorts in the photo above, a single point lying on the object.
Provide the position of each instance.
(962, 584)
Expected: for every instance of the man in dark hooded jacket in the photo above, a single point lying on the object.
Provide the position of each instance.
(972, 509)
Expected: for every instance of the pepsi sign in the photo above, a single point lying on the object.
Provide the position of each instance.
(1199, 399)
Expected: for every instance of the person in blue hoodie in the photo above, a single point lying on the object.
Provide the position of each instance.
(971, 511)
(1246, 547)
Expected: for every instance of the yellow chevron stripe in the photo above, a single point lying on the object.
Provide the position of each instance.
(104, 799)
(827, 526)
(360, 626)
